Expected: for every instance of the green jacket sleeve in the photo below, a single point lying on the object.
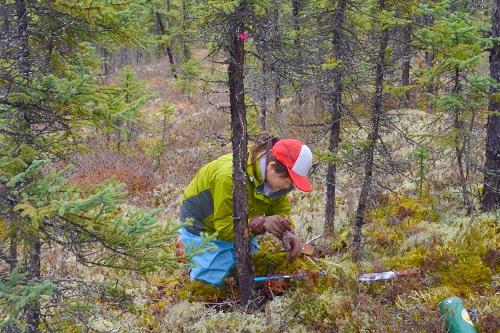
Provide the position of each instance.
(223, 208)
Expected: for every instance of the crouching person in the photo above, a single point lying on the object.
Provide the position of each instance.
(276, 167)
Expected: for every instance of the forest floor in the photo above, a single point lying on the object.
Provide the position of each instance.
(456, 253)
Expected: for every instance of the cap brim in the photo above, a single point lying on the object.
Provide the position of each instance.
(300, 182)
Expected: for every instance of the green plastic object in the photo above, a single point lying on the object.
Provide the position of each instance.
(457, 318)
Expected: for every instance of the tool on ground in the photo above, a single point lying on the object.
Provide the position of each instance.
(389, 275)
(457, 318)
(307, 249)
(313, 239)
(288, 276)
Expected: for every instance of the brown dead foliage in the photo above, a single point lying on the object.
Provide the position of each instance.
(137, 172)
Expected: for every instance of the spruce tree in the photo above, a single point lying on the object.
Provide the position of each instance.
(457, 40)
(336, 107)
(51, 97)
(228, 25)
(162, 12)
(380, 26)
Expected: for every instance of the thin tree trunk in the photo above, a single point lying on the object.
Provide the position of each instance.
(24, 54)
(264, 102)
(33, 308)
(159, 21)
(277, 107)
(164, 132)
(296, 6)
(370, 150)
(429, 60)
(13, 251)
(331, 177)
(171, 61)
(185, 47)
(296, 21)
(6, 18)
(240, 157)
(467, 147)
(405, 70)
(278, 110)
(22, 29)
(106, 62)
(459, 143)
(122, 125)
(491, 189)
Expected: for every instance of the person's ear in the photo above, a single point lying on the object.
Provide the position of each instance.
(271, 165)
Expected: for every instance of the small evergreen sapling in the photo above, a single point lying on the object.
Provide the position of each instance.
(95, 227)
(421, 155)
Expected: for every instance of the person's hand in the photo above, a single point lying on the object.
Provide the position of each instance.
(277, 225)
(292, 245)
(274, 224)
(257, 225)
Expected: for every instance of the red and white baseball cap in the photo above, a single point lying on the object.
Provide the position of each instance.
(297, 158)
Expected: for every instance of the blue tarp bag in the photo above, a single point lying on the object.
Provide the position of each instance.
(215, 260)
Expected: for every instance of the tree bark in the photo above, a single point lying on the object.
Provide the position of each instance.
(264, 100)
(331, 177)
(164, 131)
(22, 30)
(185, 47)
(429, 60)
(6, 18)
(356, 245)
(491, 188)
(33, 308)
(278, 110)
(277, 90)
(106, 62)
(460, 144)
(405, 70)
(23, 56)
(240, 157)
(170, 55)
(296, 21)
(13, 251)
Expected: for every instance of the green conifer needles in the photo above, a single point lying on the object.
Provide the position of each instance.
(96, 226)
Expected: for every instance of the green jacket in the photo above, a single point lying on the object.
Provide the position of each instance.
(208, 199)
